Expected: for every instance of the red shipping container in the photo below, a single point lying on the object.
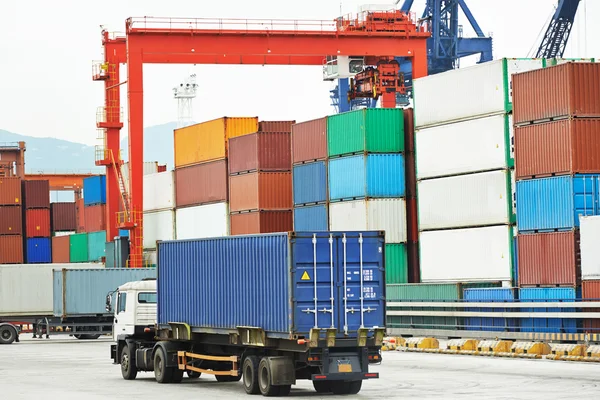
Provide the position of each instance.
(261, 151)
(260, 191)
(557, 148)
(79, 206)
(11, 220)
(409, 130)
(61, 249)
(571, 89)
(201, 184)
(261, 222)
(414, 269)
(95, 218)
(309, 141)
(36, 194)
(549, 259)
(64, 217)
(275, 126)
(11, 249)
(37, 222)
(412, 224)
(590, 290)
(10, 191)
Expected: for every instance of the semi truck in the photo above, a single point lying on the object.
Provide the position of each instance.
(266, 309)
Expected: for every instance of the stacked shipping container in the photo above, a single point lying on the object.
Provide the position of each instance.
(11, 221)
(90, 246)
(36, 212)
(63, 221)
(557, 142)
(260, 179)
(159, 208)
(465, 172)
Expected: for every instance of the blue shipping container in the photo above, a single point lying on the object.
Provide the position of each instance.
(311, 218)
(38, 251)
(94, 190)
(373, 175)
(310, 183)
(123, 233)
(489, 295)
(96, 242)
(548, 325)
(268, 281)
(557, 202)
(85, 290)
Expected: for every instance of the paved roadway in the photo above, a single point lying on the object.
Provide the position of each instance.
(71, 369)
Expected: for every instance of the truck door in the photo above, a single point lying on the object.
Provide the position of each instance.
(124, 314)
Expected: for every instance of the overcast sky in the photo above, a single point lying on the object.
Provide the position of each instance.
(46, 50)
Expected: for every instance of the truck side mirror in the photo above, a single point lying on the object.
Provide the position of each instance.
(108, 303)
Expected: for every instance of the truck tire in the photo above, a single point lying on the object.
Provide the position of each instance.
(193, 374)
(322, 386)
(264, 381)
(341, 387)
(162, 373)
(250, 374)
(8, 334)
(128, 368)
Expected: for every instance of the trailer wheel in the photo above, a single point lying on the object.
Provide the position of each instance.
(128, 368)
(322, 386)
(250, 375)
(193, 374)
(341, 387)
(8, 334)
(264, 380)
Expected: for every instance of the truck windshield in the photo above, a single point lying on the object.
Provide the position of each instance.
(147, 298)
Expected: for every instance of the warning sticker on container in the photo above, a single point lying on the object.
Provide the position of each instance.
(305, 276)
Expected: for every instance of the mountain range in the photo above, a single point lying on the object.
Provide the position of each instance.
(51, 155)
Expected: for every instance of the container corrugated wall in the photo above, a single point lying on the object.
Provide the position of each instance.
(310, 183)
(214, 221)
(38, 250)
(311, 218)
(78, 248)
(37, 222)
(309, 141)
(260, 190)
(85, 289)
(60, 249)
(11, 249)
(207, 141)
(275, 126)
(159, 190)
(374, 175)
(424, 291)
(261, 151)
(10, 220)
(63, 217)
(80, 210)
(500, 295)
(477, 145)
(36, 194)
(96, 246)
(376, 130)
(557, 202)
(201, 184)
(263, 221)
(467, 255)
(571, 89)
(590, 249)
(396, 264)
(94, 190)
(10, 191)
(549, 259)
(160, 225)
(590, 290)
(387, 215)
(466, 200)
(548, 325)
(95, 218)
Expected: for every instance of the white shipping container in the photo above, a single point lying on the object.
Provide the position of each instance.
(466, 255)
(387, 215)
(465, 201)
(466, 93)
(158, 225)
(482, 144)
(590, 250)
(159, 191)
(150, 167)
(211, 220)
(26, 289)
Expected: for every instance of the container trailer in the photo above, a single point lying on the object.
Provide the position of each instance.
(265, 309)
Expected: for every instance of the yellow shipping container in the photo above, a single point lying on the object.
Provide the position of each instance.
(207, 141)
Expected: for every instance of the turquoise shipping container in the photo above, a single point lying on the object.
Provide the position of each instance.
(96, 242)
(372, 175)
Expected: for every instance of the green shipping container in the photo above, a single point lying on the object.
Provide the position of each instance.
(424, 292)
(78, 251)
(396, 264)
(374, 130)
(96, 244)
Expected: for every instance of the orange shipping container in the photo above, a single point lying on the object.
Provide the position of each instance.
(275, 126)
(10, 191)
(79, 205)
(261, 222)
(590, 290)
(260, 191)
(37, 222)
(94, 219)
(309, 141)
(61, 249)
(571, 89)
(11, 249)
(207, 141)
(201, 184)
(559, 147)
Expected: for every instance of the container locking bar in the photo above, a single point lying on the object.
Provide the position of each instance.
(360, 246)
(345, 289)
(331, 276)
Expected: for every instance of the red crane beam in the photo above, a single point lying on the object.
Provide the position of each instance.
(272, 42)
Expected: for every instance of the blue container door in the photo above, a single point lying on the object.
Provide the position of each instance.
(38, 251)
(310, 183)
(311, 218)
(586, 198)
(385, 175)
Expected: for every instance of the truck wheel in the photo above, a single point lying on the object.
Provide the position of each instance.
(264, 379)
(250, 375)
(322, 386)
(162, 374)
(193, 374)
(8, 334)
(128, 368)
(341, 387)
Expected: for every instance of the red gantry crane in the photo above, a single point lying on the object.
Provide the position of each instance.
(374, 38)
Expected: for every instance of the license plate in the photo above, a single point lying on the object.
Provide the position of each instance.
(345, 368)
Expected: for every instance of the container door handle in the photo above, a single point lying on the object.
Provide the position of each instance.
(345, 288)
(314, 242)
(331, 276)
(360, 246)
